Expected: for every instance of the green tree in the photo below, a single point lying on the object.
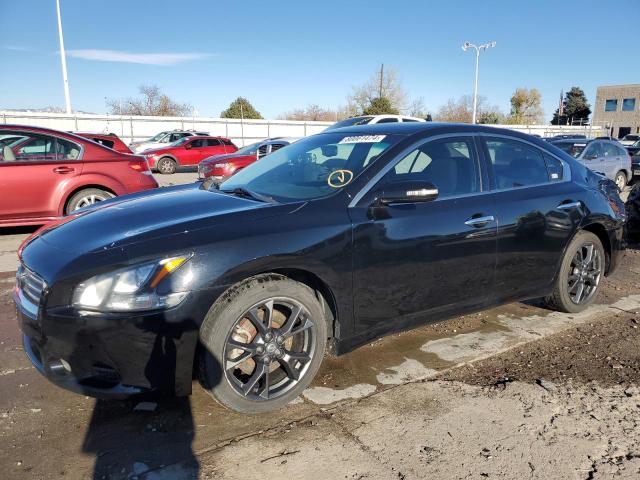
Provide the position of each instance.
(241, 108)
(576, 109)
(525, 107)
(380, 106)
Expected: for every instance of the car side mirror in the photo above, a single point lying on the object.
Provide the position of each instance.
(590, 157)
(188, 146)
(407, 192)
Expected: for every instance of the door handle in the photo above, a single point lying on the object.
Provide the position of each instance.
(63, 170)
(569, 205)
(480, 221)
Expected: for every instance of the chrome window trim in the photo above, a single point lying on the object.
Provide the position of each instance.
(566, 168)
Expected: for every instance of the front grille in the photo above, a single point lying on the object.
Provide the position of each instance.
(30, 284)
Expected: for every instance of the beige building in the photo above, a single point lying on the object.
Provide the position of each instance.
(618, 109)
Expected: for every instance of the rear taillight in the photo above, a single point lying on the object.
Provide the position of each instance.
(139, 166)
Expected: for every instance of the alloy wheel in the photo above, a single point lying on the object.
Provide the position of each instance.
(90, 200)
(166, 166)
(269, 349)
(584, 273)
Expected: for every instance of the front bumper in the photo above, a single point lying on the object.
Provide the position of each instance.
(112, 356)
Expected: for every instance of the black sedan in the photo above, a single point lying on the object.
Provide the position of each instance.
(322, 246)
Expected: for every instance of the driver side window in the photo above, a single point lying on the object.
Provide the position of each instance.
(592, 151)
(449, 164)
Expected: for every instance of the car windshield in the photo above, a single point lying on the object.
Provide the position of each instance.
(573, 149)
(636, 143)
(313, 167)
(351, 121)
(157, 137)
(249, 149)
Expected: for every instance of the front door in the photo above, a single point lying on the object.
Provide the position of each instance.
(418, 261)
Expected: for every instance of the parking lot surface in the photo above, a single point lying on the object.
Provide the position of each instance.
(512, 392)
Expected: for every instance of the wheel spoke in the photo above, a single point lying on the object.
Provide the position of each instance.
(247, 347)
(233, 363)
(258, 373)
(287, 328)
(579, 291)
(254, 318)
(289, 361)
(589, 256)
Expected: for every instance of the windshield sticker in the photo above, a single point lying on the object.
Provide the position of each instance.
(340, 178)
(362, 139)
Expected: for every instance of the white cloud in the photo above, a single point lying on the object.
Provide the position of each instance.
(163, 59)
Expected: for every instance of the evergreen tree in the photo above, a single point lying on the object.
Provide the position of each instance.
(241, 108)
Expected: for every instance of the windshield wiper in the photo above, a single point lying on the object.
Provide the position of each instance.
(243, 192)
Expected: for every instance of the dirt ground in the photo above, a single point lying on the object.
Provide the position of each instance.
(514, 392)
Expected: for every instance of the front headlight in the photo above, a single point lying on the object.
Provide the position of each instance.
(130, 289)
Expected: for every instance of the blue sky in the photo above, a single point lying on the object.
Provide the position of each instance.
(287, 54)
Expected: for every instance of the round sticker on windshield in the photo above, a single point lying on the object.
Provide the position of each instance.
(340, 178)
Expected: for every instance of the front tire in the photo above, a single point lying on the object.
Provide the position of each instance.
(167, 166)
(621, 180)
(582, 269)
(263, 340)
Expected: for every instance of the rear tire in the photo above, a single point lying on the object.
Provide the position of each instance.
(621, 180)
(85, 198)
(580, 274)
(250, 364)
(166, 166)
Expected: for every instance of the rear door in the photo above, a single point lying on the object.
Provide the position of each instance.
(611, 159)
(537, 209)
(31, 183)
(213, 146)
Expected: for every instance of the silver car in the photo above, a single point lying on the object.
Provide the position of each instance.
(603, 156)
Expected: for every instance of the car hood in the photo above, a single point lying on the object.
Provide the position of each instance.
(226, 157)
(163, 212)
(152, 151)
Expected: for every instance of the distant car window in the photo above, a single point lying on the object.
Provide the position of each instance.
(516, 164)
(351, 121)
(628, 104)
(388, 120)
(611, 105)
(593, 150)
(226, 141)
(405, 120)
(573, 149)
(262, 151)
(609, 150)
(277, 146)
(621, 150)
(105, 142)
(176, 136)
(213, 142)
(448, 164)
(197, 143)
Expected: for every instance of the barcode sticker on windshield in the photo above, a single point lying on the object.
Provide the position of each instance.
(363, 139)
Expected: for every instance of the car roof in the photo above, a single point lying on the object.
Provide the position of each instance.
(411, 128)
(195, 137)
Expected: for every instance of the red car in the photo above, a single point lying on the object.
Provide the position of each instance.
(45, 174)
(187, 151)
(109, 140)
(218, 169)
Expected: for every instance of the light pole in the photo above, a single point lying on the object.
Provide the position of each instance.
(465, 46)
(63, 58)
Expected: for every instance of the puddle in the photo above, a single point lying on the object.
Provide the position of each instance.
(325, 396)
(408, 371)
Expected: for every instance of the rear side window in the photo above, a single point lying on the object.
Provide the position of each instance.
(213, 142)
(276, 146)
(554, 167)
(449, 164)
(408, 120)
(105, 142)
(388, 120)
(228, 142)
(516, 164)
(262, 151)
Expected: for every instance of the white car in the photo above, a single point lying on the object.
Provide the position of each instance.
(372, 119)
(162, 139)
(629, 140)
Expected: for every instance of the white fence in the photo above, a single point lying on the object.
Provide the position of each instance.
(131, 128)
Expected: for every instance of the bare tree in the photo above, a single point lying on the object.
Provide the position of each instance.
(417, 108)
(525, 107)
(461, 111)
(312, 113)
(382, 84)
(151, 102)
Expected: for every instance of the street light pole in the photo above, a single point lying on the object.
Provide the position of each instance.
(465, 46)
(63, 58)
